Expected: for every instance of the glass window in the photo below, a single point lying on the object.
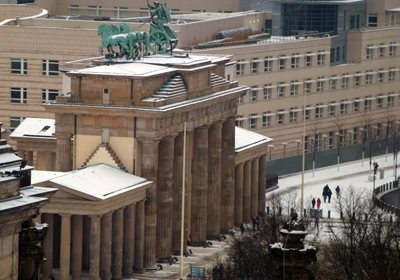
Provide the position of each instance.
(50, 67)
(253, 94)
(294, 88)
(318, 111)
(330, 139)
(15, 122)
(379, 101)
(240, 67)
(381, 51)
(254, 65)
(253, 121)
(19, 95)
(321, 57)
(74, 10)
(94, 10)
(357, 79)
(390, 100)
(332, 110)
(356, 105)
(307, 113)
(120, 12)
(280, 117)
(293, 115)
(295, 60)
(343, 107)
(239, 121)
(381, 76)
(266, 119)
(392, 74)
(392, 49)
(307, 86)
(345, 80)
(19, 66)
(49, 95)
(367, 103)
(281, 89)
(268, 64)
(368, 77)
(332, 83)
(308, 59)
(370, 52)
(372, 20)
(267, 94)
(282, 62)
(320, 84)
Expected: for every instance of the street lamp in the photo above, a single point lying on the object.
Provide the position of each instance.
(284, 149)
(338, 148)
(270, 147)
(298, 145)
(313, 154)
(362, 129)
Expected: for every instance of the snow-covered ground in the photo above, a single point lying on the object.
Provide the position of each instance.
(357, 174)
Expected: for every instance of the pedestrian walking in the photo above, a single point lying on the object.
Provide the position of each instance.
(316, 219)
(313, 203)
(254, 221)
(242, 228)
(337, 190)
(329, 195)
(325, 192)
(318, 203)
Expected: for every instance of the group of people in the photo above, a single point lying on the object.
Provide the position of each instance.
(326, 194)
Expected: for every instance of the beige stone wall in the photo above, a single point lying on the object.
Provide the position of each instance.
(85, 146)
(13, 11)
(9, 257)
(124, 148)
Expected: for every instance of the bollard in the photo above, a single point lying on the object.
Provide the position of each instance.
(391, 219)
(305, 212)
(329, 214)
(267, 210)
(341, 215)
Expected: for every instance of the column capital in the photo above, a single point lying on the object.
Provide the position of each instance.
(149, 140)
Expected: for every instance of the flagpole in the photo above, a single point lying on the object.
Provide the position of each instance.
(183, 201)
(303, 161)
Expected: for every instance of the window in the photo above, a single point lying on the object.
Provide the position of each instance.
(282, 62)
(307, 86)
(317, 143)
(19, 95)
(332, 83)
(15, 122)
(390, 100)
(367, 103)
(321, 57)
(345, 80)
(354, 136)
(50, 67)
(343, 107)
(337, 53)
(318, 111)
(294, 88)
(308, 59)
(49, 95)
(381, 51)
(94, 10)
(381, 76)
(280, 117)
(268, 64)
(342, 137)
(357, 79)
(307, 113)
(392, 49)
(254, 65)
(239, 121)
(332, 110)
(266, 119)
(74, 10)
(253, 94)
(330, 139)
(253, 121)
(240, 99)
(392, 74)
(332, 56)
(368, 77)
(120, 12)
(293, 115)
(370, 52)
(379, 101)
(320, 84)
(267, 91)
(295, 60)
(372, 20)
(281, 89)
(356, 105)
(352, 22)
(240, 67)
(19, 66)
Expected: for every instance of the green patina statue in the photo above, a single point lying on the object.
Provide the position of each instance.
(133, 44)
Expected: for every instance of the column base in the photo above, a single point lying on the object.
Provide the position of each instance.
(217, 237)
(203, 244)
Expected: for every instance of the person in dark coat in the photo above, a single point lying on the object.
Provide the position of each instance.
(254, 223)
(329, 192)
(325, 192)
(313, 202)
(242, 228)
(337, 191)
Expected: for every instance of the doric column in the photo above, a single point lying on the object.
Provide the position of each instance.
(189, 183)
(129, 239)
(77, 238)
(139, 236)
(262, 182)
(164, 196)
(29, 157)
(148, 169)
(65, 246)
(177, 194)
(228, 174)
(239, 194)
(200, 184)
(117, 243)
(106, 246)
(94, 249)
(48, 245)
(254, 187)
(214, 180)
(247, 191)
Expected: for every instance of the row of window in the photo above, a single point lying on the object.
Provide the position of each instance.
(373, 51)
(293, 87)
(20, 95)
(268, 63)
(332, 109)
(19, 66)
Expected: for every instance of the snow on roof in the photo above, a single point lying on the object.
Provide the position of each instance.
(35, 127)
(8, 158)
(245, 139)
(100, 181)
(38, 176)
